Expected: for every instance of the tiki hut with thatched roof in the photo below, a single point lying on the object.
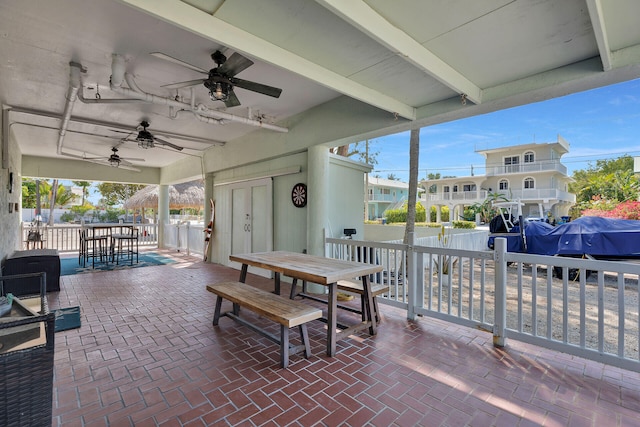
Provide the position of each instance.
(181, 196)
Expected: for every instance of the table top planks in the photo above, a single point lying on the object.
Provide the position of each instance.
(312, 268)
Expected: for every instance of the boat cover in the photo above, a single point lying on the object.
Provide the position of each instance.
(586, 235)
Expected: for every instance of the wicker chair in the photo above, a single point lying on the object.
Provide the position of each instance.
(26, 383)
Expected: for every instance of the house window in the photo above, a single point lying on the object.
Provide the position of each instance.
(529, 157)
(455, 188)
(511, 164)
(469, 187)
(385, 191)
(503, 185)
(529, 183)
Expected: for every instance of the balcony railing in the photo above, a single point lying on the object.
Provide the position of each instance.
(539, 194)
(541, 166)
(513, 295)
(524, 195)
(458, 195)
(383, 198)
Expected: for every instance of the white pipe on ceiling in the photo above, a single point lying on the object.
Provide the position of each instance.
(135, 92)
(74, 84)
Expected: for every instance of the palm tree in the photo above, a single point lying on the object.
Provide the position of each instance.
(85, 189)
(52, 203)
(414, 154)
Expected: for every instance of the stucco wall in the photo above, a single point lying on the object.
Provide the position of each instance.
(10, 217)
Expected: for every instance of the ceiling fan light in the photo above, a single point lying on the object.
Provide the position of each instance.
(114, 162)
(219, 92)
(145, 143)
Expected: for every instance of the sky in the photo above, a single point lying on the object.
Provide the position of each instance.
(598, 124)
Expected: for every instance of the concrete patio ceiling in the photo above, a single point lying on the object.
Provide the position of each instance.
(411, 63)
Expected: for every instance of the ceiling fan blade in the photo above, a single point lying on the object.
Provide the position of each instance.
(256, 87)
(96, 158)
(232, 100)
(120, 166)
(167, 143)
(121, 131)
(180, 85)
(177, 61)
(235, 64)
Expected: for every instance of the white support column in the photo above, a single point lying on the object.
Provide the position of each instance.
(209, 195)
(163, 212)
(318, 203)
(500, 320)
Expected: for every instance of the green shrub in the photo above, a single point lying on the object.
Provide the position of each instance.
(464, 224)
(444, 214)
(400, 215)
(67, 217)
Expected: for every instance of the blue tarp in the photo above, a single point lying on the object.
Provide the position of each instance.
(586, 235)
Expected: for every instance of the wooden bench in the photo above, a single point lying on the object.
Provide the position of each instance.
(356, 287)
(286, 312)
(353, 287)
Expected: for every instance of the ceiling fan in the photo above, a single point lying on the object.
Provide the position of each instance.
(145, 139)
(221, 80)
(115, 160)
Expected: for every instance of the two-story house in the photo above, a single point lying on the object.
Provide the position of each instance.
(383, 194)
(531, 173)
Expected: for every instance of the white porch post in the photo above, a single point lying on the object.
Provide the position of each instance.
(318, 203)
(209, 195)
(163, 212)
(500, 312)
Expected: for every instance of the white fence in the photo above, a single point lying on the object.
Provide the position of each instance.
(185, 237)
(65, 237)
(182, 236)
(582, 307)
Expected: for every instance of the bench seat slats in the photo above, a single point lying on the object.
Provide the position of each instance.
(274, 307)
(356, 287)
(286, 312)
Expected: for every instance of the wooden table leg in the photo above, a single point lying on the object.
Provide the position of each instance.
(276, 284)
(243, 273)
(368, 298)
(332, 319)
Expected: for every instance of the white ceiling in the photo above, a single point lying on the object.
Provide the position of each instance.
(405, 57)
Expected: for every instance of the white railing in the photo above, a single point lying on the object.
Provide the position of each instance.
(185, 237)
(514, 295)
(539, 194)
(458, 195)
(523, 195)
(65, 237)
(542, 166)
(383, 198)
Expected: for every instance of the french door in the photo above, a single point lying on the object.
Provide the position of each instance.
(252, 219)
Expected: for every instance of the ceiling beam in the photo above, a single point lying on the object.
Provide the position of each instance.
(362, 16)
(600, 32)
(194, 20)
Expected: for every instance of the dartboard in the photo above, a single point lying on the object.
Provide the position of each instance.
(299, 195)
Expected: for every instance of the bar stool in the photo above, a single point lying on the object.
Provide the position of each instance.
(125, 244)
(97, 244)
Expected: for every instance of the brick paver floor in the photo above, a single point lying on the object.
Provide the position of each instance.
(147, 354)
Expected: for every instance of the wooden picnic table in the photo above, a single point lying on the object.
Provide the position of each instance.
(320, 270)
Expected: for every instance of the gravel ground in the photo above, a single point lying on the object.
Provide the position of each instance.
(557, 310)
